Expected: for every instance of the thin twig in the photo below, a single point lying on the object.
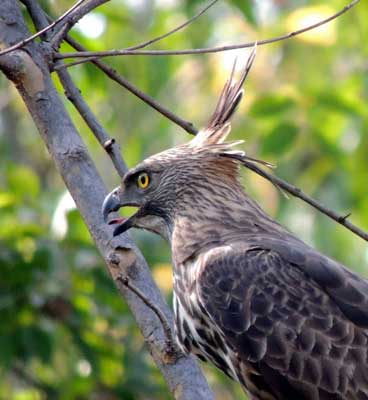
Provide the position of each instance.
(77, 62)
(296, 192)
(150, 41)
(74, 18)
(42, 31)
(126, 52)
(165, 323)
(111, 73)
(178, 28)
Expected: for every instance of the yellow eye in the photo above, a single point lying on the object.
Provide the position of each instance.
(143, 180)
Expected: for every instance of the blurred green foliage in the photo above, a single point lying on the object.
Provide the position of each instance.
(64, 332)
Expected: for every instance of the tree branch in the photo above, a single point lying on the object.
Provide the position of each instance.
(68, 23)
(40, 20)
(29, 71)
(39, 16)
(29, 39)
(112, 74)
(112, 148)
(296, 192)
(170, 339)
(126, 52)
(176, 29)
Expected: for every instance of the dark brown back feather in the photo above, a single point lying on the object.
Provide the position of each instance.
(292, 340)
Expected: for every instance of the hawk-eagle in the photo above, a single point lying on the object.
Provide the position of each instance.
(271, 312)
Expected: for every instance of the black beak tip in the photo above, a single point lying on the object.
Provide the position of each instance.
(110, 204)
(126, 225)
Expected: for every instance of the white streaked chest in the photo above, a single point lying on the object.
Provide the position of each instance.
(195, 331)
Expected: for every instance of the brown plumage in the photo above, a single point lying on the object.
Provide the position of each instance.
(274, 314)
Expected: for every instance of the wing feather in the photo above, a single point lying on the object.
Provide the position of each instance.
(290, 337)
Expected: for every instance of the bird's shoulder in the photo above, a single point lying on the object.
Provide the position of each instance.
(241, 283)
(267, 259)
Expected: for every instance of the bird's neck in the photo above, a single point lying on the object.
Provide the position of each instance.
(214, 221)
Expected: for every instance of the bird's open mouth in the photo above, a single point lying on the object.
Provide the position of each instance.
(122, 224)
(113, 203)
(115, 221)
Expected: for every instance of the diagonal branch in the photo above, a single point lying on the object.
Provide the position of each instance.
(79, 13)
(297, 192)
(170, 339)
(112, 148)
(29, 39)
(40, 20)
(127, 52)
(112, 74)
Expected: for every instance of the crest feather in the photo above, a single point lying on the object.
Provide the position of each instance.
(218, 126)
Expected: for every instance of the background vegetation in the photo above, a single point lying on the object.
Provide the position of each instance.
(64, 331)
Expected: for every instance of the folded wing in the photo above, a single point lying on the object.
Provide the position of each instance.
(293, 321)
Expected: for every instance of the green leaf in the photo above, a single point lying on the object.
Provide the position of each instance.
(340, 102)
(271, 105)
(77, 230)
(247, 9)
(23, 181)
(36, 342)
(7, 350)
(6, 199)
(280, 139)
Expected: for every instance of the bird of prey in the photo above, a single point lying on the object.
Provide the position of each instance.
(282, 319)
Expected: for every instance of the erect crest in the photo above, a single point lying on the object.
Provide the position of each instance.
(218, 126)
(212, 137)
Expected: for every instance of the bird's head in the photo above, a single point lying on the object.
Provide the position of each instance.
(152, 186)
(180, 177)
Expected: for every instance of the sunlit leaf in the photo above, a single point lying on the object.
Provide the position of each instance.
(6, 199)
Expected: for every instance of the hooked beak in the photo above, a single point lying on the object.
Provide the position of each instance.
(112, 203)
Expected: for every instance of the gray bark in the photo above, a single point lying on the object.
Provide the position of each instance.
(28, 69)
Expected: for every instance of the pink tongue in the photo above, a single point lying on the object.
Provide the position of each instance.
(117, 221)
